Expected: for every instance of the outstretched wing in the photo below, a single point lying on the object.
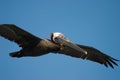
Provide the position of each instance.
(92, 54)
(18, 35)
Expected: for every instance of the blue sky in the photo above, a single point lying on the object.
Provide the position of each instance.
(90, 22)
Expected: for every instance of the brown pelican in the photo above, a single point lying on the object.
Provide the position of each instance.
(35, 46)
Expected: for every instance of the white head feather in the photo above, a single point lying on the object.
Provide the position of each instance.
(59, 35)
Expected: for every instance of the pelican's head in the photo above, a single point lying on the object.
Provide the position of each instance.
(60, 39)
(56, 35)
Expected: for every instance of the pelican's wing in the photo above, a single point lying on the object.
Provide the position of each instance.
(92, 54)
(18, 35)
(98, 56)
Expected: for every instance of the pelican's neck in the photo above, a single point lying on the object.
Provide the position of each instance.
(51, 37)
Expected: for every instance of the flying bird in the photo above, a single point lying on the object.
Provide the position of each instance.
(58, 43)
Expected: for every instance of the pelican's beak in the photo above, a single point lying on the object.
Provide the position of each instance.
(68, 43)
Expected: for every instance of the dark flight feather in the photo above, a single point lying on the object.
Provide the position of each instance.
(18, 35)
(93, 55)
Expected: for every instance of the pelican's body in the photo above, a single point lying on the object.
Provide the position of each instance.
(35, 46)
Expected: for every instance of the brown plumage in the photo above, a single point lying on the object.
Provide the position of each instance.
(35, 46)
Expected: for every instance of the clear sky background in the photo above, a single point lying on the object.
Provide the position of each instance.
(90, 22)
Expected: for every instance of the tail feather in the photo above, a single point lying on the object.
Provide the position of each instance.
(16, 54)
